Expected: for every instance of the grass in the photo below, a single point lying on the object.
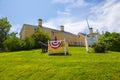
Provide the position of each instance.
(79, 65)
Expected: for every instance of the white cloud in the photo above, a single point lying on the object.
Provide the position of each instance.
(72, 23)
(75, 27)
(104, 16)
(50, 24)
(16, 28)
(67, 13)
(107, 15)
(70, 5)
(69, 23)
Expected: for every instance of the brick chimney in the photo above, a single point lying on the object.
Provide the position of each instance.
(40, 22)
(62, 28)
(90, 30)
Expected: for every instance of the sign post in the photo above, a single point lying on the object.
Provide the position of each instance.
(57, 47)
(87, 46)
(64, 46)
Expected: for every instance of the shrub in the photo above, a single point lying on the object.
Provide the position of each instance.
(111, 40)
(29, 43)
(99, 48)
(13, 44)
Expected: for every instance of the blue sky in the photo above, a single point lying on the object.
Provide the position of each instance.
(101, 14)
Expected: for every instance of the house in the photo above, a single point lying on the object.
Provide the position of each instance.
(92, 37)
(72, 39)
(82, 38)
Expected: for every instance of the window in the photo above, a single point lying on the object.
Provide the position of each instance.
(35, 29)
(52, 33)
(46, 30)
(71, 36)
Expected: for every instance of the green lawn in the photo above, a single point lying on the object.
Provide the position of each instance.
(79, 65)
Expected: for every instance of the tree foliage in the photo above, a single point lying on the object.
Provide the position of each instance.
(10, 42)
(29, 43)
(13, 43)
(42, 36)
(111, 41)
(4, 30)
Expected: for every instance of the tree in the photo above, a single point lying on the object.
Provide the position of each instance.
(40, 36)
(13, 34)
(111, 41)
(4, 30)
(13, 43)
(29, 43)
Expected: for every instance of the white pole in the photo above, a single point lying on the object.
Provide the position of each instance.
(86, 41)
(64, 46)
(64, 43)
(48, 47)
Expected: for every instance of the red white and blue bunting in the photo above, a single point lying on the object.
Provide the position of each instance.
(55, 44)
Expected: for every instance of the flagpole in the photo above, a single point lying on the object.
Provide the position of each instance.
(86, 41)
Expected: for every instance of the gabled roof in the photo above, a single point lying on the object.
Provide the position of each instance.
(94, 34)
(82, 34)
(27, 25)
(45, 28)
